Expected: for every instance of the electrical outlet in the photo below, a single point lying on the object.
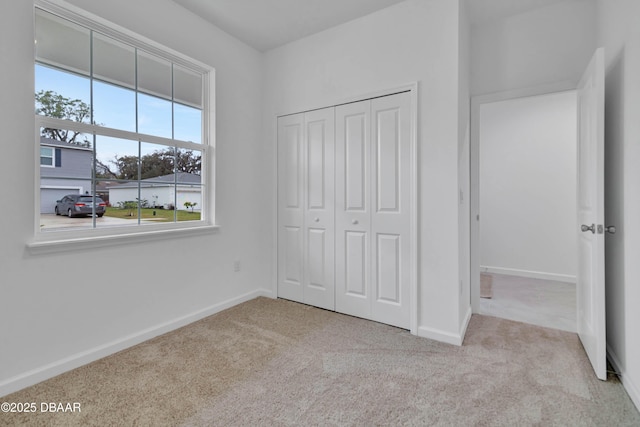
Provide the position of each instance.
(236, 265)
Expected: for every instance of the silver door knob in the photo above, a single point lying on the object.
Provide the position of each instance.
(611, 229)
(316, 219)
(354, 222)
(587, 228)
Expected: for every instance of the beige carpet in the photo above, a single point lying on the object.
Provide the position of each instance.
(486, 285)
(273, 362)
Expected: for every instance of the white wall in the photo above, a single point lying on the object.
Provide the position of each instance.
(416, 40)
(50, 322)
(528, 186)
(546, 46)
(619, 33)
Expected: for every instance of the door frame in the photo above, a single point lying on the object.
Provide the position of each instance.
(474, 170)
(412, 88)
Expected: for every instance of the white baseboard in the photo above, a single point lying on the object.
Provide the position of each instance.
(58, 367)
(530, 274)
(633, 390)
(447, 337)
(465, 324)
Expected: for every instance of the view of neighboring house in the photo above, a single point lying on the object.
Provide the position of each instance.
(166, 191)
(64, 169)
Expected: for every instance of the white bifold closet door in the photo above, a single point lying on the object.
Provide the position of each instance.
(344, 208)
(306, 208)
(373, 209)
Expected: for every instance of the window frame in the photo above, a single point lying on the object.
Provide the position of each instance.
(65, 238)
(52, 157)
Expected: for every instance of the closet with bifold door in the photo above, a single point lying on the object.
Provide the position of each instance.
(344, 196)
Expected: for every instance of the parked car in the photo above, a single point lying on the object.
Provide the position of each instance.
(80, 205)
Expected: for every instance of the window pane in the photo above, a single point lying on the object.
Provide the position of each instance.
(187, 86)
(122, 210)
(189, 165)
(71, 215)
(157, 163)
(71, 175)
(116, 158)
(187, 123)
(114, 106)
(62, 43)
(62, 95)
(113, 61)
(157, 187)
(189, 185)
(154, 116)
(154, 75)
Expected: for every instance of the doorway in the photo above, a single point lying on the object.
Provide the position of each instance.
(523, 164)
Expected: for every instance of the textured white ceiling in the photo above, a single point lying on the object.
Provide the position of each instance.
(266, 24)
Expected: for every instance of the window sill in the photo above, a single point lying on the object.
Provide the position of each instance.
(38, 247)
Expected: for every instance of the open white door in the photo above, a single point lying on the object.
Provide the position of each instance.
(590, 290)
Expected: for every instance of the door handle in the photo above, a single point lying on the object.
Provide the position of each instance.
(611, 229)
(587, 228)
(354, 222)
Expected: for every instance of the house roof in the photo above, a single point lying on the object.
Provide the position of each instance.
(182, 178)
(55, 143)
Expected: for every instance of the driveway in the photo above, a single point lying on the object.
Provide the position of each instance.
(51, 221)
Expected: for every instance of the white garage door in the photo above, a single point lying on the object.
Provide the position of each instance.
(49, 196)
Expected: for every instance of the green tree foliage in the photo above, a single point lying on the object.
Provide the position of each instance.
(158, 163)
(52, 104)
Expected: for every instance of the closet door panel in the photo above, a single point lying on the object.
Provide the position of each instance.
(290, 207)
(319, 137)
(353, 215)
(390, 165)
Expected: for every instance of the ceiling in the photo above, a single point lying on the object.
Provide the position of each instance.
(484, 10)
(266, 24)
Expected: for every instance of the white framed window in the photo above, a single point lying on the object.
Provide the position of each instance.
(132, 120)
(47, 157)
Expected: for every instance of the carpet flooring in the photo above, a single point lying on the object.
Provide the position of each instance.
(274, 362)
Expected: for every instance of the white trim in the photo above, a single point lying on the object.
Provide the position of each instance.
(474, 169)
(444, 336)
(90, 355)
(465, 323)
(414, 204)
(142, 234)
(408, 87)
(530, 274)
(50, 122)
(413, 198)
(633, 390)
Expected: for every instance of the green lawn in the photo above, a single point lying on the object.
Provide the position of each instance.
(160, 215)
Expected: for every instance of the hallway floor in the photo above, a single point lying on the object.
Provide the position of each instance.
(538, 302)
